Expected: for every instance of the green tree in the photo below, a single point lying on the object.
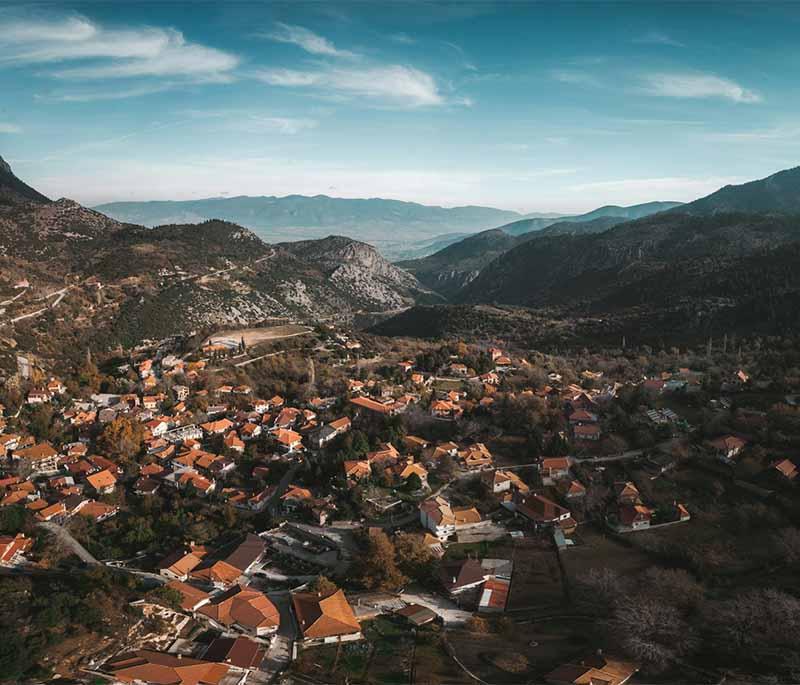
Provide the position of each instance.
(413, 483)
(166, 596)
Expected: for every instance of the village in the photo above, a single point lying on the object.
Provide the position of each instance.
(346, 508)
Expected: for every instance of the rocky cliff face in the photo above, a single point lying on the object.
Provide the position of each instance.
(359, 271)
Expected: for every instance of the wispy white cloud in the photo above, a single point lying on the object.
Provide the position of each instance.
(402, 38)
(536, 174)
(658, 38)
(389, 84)
(466, 62)
(90, 144)
(379, 83)
(576, 77)
(248, 121)
(307, 40)
(90, 51)
(9, 128)
(21, 30)
(778, 134)
(287, 126)
(696, 85)
(100, 94)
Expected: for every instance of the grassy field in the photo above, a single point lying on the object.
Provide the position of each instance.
(533, 648)
(596, 550)
(448, 384)
(537, 580)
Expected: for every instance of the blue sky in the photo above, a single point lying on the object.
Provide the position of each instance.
(527, 106)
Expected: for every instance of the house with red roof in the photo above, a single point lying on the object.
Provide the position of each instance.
(325, 618)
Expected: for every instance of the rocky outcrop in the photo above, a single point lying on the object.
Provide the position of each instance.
(359, 272)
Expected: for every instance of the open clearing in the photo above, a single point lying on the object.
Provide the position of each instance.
(256, 336)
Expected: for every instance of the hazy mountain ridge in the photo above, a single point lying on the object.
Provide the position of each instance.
(299, 217)
(632, 212)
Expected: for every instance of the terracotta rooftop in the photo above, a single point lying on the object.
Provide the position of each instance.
(324, 616)
(242, 606)
(160, 668)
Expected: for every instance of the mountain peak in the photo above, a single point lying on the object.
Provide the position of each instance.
(779, 192)
(11, 188)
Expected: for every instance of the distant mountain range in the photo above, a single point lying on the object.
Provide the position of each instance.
(391, 225)
(727, 262)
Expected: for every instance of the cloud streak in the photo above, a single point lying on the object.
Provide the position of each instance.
(576, 78)
(9, 128)
(254, 122)
(98, 95)
(90, 51)
(307, 40)
(390, 84)
(697, 86)
(658, 38)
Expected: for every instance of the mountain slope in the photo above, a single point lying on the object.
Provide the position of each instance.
(297, 217)
(93, 280)
(571, 270)
(584, 270)
(453, 267)
(450, 269)
(14, 190)
(779, 193)
(683, 302)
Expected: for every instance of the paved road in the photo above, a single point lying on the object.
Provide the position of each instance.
(630, 454)
(275, 500)
(279, 655)
(67, 540)
(449, 611)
